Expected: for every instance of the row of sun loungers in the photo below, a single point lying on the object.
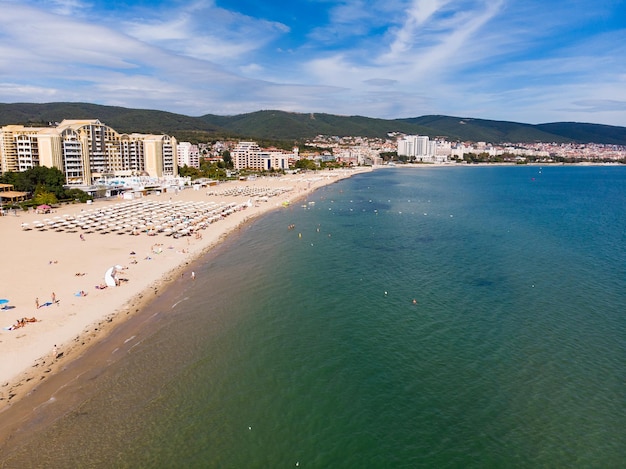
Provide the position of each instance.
(133, 218)
(253, 191)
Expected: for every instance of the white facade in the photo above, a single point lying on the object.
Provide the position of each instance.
(188, 155)
(414, 146)
(421, 149)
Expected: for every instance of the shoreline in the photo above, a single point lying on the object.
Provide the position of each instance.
(70, 325)
(482, 165)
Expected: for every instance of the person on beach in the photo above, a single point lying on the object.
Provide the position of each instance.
(54, 298)
(18, 323)
(37, 303)
(21, 323)
(82, 238)
(193, 275)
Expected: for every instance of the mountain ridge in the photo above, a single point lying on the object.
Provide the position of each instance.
(284, 125)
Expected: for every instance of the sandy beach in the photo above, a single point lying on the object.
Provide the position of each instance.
(45, 269)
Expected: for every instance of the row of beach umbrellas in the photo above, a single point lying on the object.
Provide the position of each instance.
(150, 217)
(253, 191)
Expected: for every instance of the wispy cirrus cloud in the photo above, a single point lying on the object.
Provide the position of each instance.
(204, 31)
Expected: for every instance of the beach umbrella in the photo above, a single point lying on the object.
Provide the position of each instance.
(3, 301)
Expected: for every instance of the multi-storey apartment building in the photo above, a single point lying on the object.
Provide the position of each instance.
(132, 153)
(160, 155)
(86, 151)
(244, 153)
(188, 155)
(420, 148)
(248, 155)
(414, 146)
(18, 148)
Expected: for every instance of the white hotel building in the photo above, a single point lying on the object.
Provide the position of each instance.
(86, 151)
(188, 155)
(420, 148)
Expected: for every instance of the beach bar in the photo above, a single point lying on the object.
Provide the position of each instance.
(7, 194)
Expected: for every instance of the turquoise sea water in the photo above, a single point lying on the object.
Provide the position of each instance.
(304, 348)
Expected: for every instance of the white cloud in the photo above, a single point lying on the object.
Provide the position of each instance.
(398, 58)
(68, 7)
(382, 82)
(36, 93)
(204, 31)
(251, 69)
(600, 105)
(407, 37)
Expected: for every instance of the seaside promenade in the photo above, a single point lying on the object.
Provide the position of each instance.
(56, 266)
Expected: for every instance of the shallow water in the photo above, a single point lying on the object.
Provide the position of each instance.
(304, 347)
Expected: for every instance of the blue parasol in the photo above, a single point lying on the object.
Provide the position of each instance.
(3, 302)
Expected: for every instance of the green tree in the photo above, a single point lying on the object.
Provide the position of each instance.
(189, 171)
(304, 163)
(228, 159)
(46, 185)
(77, 194)
(389, 155)
(51, 179)
(43, 196)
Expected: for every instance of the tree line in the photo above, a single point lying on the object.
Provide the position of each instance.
(44, 186)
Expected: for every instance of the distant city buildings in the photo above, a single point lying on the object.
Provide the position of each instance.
(414, 148)
(86, 151)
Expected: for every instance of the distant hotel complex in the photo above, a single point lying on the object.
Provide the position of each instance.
(88, 151)
(423, 150)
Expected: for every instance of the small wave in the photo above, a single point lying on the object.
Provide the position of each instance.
(135, 345)
(178, 302)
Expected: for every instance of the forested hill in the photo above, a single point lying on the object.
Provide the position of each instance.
(280, 125)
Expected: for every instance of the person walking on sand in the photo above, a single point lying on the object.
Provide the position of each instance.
(54, 298)
(82, 238)
(37, 303)
(193, 275)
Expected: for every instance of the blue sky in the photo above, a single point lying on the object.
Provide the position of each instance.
(519, 60)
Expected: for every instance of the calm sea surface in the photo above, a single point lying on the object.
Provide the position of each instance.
(305, 348)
